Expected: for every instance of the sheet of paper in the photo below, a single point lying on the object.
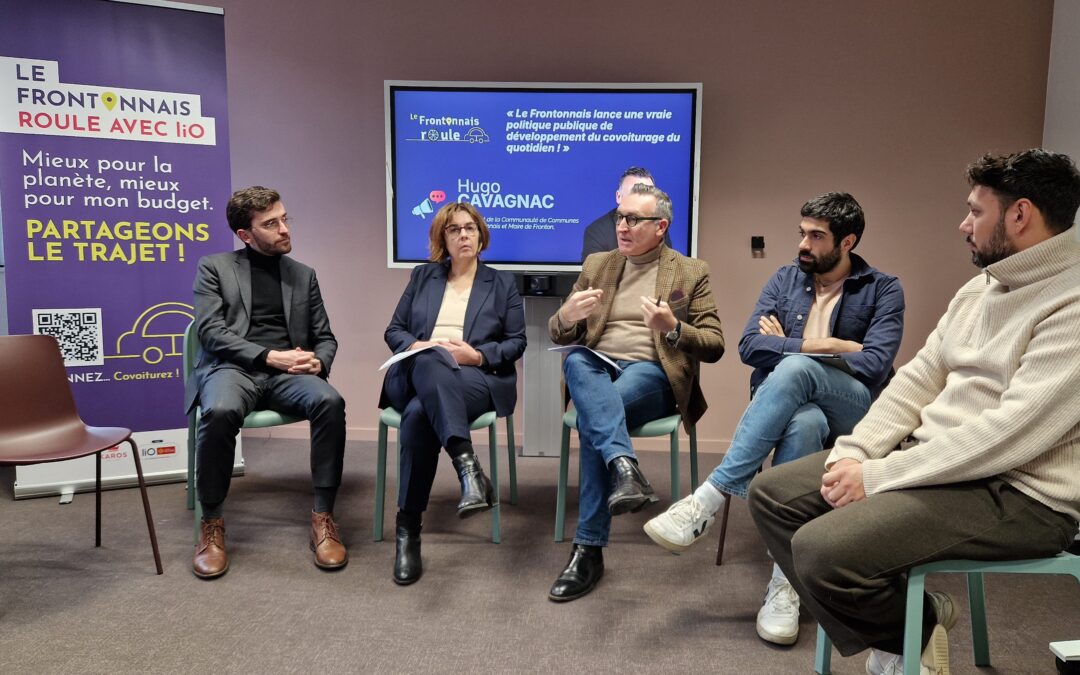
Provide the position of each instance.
(408, 354)
(570, 348)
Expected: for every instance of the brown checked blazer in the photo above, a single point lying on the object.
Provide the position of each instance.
(682, 282)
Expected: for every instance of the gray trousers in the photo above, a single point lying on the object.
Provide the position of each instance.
(849, 565)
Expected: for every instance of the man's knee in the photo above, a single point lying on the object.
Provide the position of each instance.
(222, 417)
(793, 370)
(330, 403)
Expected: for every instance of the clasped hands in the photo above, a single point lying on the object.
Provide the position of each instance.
(842, 484)
(580, 305)
(294, 361)
(464, 354)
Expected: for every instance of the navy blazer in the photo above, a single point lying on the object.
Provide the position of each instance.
(494, 326)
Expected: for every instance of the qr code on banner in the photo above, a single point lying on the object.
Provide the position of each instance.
(77, 330)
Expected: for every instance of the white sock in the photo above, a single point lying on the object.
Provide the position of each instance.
(777, 573)
(709, 497)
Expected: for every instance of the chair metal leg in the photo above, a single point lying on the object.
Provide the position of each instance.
(493, 454)
(913, 618)
(823, 655)
(191, 460)
(145, 502)
(675, 465)
(723, 529)
(560, 499)
(693, 458)
(980, 642)
(97, 497)
(380, 485)
(511, 454)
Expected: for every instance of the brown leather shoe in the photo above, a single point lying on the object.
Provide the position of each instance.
(210, 559)
(330, 553)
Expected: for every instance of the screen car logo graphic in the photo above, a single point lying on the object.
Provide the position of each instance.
(157, 332)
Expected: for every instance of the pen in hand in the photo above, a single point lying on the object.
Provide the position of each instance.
(658, 301)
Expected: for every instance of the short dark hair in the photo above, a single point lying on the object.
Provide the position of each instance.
(637, 172)
(1049, 179)
(246, 202)
(841, 211)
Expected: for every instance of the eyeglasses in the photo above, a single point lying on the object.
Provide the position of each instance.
(274, 224)
(633, 221)
(457, 231)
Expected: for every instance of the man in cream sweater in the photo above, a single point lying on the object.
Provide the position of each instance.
(972, 451)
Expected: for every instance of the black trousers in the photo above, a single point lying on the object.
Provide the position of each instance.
(848, 564)
(228, 395)
(436, 404)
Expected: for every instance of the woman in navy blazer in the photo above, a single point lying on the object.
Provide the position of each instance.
(475, 316)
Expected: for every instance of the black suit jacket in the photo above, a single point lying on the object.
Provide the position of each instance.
(223, 315)
(494, 326)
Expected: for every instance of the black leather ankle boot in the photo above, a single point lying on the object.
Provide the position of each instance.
(477, 493)
(407, 564)
(584, 569)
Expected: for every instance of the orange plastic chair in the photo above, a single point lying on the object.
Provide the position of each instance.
(39, 422)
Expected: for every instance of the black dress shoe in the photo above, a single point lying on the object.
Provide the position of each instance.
(477, 494)
(585, 568)
(407, 564)
(631, 492)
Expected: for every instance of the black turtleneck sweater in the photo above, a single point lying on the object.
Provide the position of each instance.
(268, 328)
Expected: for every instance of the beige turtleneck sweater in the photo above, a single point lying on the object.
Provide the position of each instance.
(994, 392)
(625, 334)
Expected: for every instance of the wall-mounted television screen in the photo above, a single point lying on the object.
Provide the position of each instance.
(541, 162)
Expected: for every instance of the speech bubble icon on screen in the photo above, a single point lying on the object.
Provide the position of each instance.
(437, 196)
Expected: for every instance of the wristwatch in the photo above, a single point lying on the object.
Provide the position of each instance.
(672, 336)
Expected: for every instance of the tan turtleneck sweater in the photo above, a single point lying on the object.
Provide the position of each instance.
(994, 392)
(625, 335)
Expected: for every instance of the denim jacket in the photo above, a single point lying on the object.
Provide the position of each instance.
(870, 311)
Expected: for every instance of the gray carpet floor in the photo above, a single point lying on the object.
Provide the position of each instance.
(66, 607)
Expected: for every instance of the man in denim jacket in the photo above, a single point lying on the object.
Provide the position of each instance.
(822, 340)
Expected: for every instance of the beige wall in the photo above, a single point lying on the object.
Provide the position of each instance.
(887, 100)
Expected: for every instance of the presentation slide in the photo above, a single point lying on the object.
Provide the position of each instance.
(541, 163)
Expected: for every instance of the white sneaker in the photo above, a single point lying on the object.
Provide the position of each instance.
(681, 525)
(935, 657)
(778, 618)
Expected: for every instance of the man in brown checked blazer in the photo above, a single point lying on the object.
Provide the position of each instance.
(647, 316)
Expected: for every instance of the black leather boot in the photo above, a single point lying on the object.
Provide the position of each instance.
(477, 493)
(585, 568)
(631, 492)
(407, 564)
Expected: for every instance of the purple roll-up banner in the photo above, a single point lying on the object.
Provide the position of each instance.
(114, 175)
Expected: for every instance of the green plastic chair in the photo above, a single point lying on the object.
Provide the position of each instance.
(257, 419)
(390, 418)
(1062, 563)
(665, 426)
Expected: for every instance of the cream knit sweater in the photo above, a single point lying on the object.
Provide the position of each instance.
(994, 392)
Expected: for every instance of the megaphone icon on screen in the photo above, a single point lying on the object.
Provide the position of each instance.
(428, 205)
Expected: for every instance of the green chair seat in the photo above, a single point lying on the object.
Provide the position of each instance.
(1062, 563)
(390, 418)
(665, 426)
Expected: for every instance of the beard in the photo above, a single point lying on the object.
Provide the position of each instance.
(999, 247)
(825, 263)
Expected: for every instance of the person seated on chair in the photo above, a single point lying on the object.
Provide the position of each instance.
(973, 449)
(828, 303)
(650, 310)
(266, 344)
(474, 315)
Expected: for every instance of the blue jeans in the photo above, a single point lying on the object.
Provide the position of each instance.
(796, 410)
(608, 404)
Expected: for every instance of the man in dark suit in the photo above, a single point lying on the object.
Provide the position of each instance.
(266, 344)
(649, 310)
(600, 234)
